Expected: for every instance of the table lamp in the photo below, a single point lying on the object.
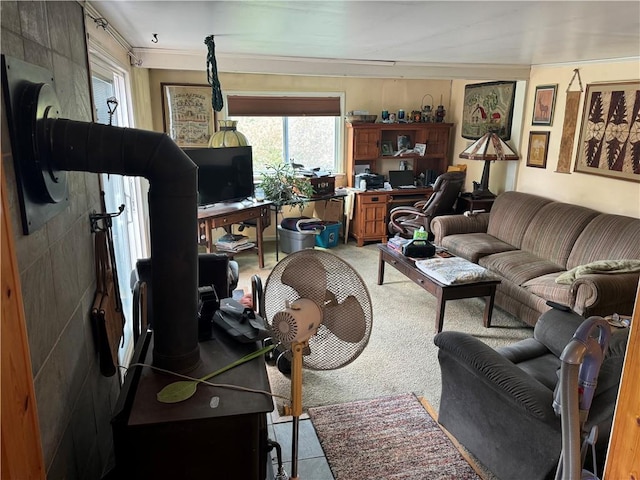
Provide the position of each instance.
(489, 148)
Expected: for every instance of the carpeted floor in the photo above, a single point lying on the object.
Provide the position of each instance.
(401, 356)
(391, 437)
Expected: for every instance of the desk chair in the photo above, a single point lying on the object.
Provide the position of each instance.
(213, 269)
(405, 220)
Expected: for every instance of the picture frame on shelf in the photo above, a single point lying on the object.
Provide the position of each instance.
(538, 148)
(187, 114)
(608, 131)
(420, 148)
(488, 107)
(543, 105)
(387, 147)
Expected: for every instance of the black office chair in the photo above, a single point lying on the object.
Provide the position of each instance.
(213, 269)
(404, 220)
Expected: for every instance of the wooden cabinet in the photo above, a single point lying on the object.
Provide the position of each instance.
(365, 141)
(369, 217)
(371, 208)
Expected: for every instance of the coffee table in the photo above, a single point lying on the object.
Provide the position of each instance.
(442, 292)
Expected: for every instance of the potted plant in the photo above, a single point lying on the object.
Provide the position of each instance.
(282, 186)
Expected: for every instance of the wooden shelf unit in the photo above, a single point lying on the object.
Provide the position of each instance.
(364, 146)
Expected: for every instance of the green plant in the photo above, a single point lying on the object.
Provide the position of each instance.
(282, 186)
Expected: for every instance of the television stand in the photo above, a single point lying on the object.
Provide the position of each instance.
(224, 215)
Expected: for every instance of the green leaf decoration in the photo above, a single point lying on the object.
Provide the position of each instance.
(177, 391)
(183, 390)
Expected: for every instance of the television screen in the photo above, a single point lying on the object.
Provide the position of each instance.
(224, 174)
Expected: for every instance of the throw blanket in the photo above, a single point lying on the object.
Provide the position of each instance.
(601, 266)
(454, 270)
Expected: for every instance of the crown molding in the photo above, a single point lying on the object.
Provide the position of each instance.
(191, 60)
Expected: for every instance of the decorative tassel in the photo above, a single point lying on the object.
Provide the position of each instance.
(212, 75)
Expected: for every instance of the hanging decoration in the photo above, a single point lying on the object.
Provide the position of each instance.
(572, 105)
(212, 75)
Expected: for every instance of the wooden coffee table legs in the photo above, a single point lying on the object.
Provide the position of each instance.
(457, 292)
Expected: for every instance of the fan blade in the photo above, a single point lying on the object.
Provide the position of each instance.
(346, 320)
(307, 276)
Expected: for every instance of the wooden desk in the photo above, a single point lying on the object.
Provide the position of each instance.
(371, 211)
(226, 214)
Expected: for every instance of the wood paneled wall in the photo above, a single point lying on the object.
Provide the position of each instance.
(623, 460)
(21, 449)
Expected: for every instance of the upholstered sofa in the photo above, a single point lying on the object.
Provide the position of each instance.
(528, 241)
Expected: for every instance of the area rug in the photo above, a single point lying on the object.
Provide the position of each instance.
(392, 437)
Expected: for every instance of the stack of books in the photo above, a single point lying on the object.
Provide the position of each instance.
(233, 243)
(397, 243)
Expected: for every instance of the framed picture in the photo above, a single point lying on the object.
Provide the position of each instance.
(187, 113)
(387, 148)
(420, 148)
(488, 107)
(543, 104)
(538, 146)
(609, 138)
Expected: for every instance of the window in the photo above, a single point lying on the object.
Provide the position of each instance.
(129, 236)
(300, 129)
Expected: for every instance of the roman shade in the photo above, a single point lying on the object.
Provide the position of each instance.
(282, 106)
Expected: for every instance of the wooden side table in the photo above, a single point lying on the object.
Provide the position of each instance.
(467, 202)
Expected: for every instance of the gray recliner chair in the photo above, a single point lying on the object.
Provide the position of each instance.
(499, 403)
(404, 220)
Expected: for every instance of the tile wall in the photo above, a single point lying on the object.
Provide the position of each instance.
(56, 262)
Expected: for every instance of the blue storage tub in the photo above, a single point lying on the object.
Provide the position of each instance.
(328, 238)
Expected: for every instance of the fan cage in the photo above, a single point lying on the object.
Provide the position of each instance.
(314, 272)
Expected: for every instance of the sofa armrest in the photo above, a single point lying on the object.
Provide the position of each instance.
(444, 225)
(510, 382)
(604, 294)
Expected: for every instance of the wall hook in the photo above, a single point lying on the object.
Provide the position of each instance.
(154, 38)
(106, 217)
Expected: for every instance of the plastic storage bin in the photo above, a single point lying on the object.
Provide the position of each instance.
(328, 238)
(291, 240)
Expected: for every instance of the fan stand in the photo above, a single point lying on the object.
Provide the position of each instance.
(296, 401)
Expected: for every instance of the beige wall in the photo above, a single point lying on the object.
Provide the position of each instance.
(391, 94)
(593, 191)
(372, 94)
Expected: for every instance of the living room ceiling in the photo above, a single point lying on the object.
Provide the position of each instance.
(421, 39)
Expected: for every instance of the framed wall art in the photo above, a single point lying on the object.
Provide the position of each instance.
(543, 104)
(387, 147)
(488, 107)
(187, 113)
(609, 142)
(538, 147)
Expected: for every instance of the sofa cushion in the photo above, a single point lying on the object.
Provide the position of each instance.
(474, 246)
(511, 214)
(545, 286)
(553, 231)
(518, 266)
(606, 237)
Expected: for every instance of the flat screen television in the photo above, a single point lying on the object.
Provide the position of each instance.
(224, 174)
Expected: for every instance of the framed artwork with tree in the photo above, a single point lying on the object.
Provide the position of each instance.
(488, 107)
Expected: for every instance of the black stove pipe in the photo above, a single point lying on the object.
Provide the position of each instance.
(92, 147)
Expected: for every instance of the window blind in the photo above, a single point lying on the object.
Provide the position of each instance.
(256, 106)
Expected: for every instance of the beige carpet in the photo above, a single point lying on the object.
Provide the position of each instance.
(400, 357)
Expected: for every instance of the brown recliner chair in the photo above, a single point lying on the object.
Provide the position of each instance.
(405, 220)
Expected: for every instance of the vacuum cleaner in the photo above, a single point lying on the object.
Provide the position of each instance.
(581, 362)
